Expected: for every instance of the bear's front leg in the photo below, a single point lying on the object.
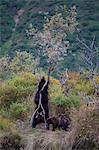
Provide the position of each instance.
(47, 126)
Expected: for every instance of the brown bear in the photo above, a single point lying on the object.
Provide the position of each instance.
(43, 90)
(60, 122)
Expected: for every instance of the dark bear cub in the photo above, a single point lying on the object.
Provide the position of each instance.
(60, 122)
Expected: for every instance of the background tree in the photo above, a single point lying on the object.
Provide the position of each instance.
(52, 42)
(90, 58)
(4, 67)
(22, 62)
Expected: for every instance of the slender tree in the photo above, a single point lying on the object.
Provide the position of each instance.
(90, 57)
(52, 40)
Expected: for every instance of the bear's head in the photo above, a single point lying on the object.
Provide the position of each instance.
(42, 82)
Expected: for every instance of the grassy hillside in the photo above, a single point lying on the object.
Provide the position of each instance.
(16, 103)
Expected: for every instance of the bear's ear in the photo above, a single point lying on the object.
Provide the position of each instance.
(43, 78)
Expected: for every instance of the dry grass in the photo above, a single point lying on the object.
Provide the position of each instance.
(84, 126)
(49, 140)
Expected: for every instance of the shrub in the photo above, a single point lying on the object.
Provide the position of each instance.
(21, 62)
(58, 98)
(17, 88)
(88, 142)
(18, 111)
(68, 102)
(73, 101)
(6, 125)
(11, 141)
(86, 125)
(85, 87)
(97, 80)
(55, 89)
(56, 93)
(74, 75)
(72, 83)
(79, 84)
(4, 68)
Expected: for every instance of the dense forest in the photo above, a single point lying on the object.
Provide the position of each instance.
(49, 75)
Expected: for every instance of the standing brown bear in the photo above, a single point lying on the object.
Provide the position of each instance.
(43, 90)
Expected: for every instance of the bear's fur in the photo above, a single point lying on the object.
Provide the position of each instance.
(44, 101)
(60, 122)
(38, 118)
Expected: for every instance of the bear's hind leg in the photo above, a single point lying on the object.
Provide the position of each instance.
(54, 127)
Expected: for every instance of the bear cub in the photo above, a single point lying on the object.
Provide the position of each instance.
(60, 122)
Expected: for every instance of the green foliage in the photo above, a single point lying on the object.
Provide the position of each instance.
(59, 100)
(18, 111)
(5, 47)
(17, 88)
(3, 124)
(53, 37)
(87, 15)
(85, 87)
(21, 62)
(6, 125)
(68, 102)
(73, 101)
(8, 9)
(81, 84)
(4, 68)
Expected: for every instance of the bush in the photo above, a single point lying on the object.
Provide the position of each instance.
(97, 80)
(85, 87)
(79, 84)
(55, 89)
(11, 141)
(6, 125)
(22, 62)
(18, 111)
(73, 101)
(88, 142)
(7, 94)
(4, 68)
(68, 102)
(58, 98)
(86, 126)
(17, 88)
